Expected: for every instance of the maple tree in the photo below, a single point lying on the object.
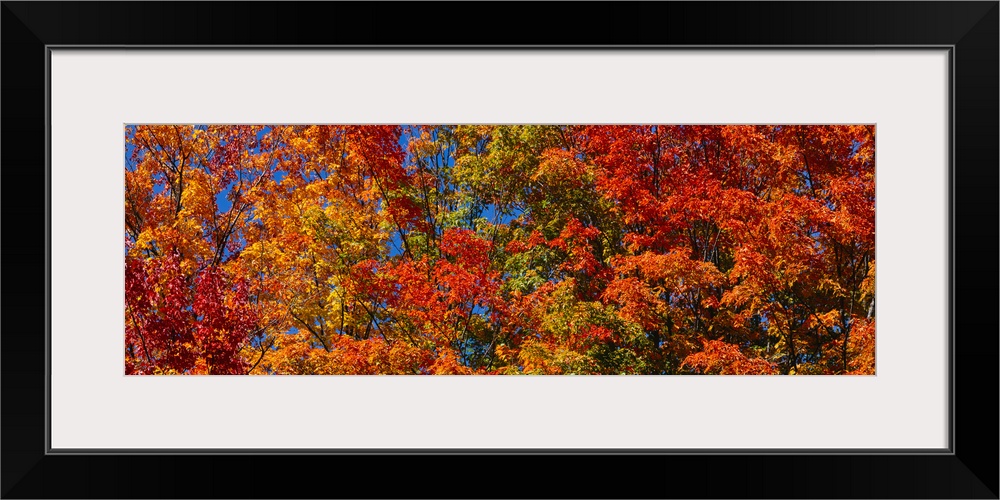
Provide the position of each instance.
(508, 249)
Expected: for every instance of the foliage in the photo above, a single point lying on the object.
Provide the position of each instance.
(291, 249)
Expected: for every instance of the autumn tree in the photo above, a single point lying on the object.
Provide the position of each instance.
(461, 249)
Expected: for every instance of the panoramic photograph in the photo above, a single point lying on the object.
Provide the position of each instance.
(480, 249)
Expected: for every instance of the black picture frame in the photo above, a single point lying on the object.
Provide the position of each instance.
(968, 29)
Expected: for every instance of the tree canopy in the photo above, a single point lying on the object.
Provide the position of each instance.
(499, 249)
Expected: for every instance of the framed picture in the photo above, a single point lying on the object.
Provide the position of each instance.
(881, 386)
